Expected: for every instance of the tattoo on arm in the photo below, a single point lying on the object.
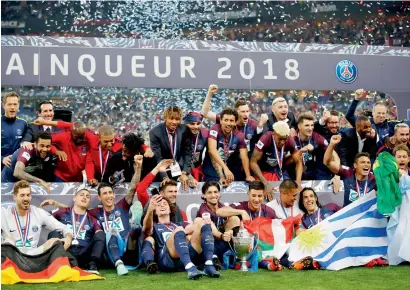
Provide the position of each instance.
(133, 186)
(21, 174)
(218, 168)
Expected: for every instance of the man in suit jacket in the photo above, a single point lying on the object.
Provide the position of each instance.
(46, 111)
(169, 140)
(358, 140)
(280, 112)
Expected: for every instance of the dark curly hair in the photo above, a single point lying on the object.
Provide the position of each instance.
(133, 142)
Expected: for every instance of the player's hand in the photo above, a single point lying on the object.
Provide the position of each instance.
(93, 182)
(335, 139)
(223, 182)
(47, 202)
(228, 175)
(264, 119)
(325, 116)
(7, 161)
(148, 153)
(192, 182)
(27, 145)
(250, 178)
(358, 94)
(46, 186)
(154, 202)
(227, 236)
(40, 122)
(67, 241)
(372, 133)
(212, 89)
(268, 191)
(138, 161)
(183, 178)
(163, 166)
(165, 180)
(61, 155)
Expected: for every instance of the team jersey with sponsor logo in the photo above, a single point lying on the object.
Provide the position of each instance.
(228, 149)
(355, 189)
(89, 226)
(118, 218)
(162, 232)
(26, 232)
(270, 161)
(310, 220)
(218, 221)
(264, 211)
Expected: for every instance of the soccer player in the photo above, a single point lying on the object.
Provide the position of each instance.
(22, 224)
(12, 128)
(280, 112)
(311, 145)
(251, 128)
(199, 137)
(173, 251)
(285, 205)
(313, 212)
(227, 156)
(401, 136)
(226, 228)
(358, 181)
(271, 151)
(402, 154)
(88, 241)
(33, 165)
(169, 140)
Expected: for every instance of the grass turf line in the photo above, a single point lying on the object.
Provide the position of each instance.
(355, 278)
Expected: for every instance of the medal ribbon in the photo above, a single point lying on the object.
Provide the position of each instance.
(358, 188)
(301, 146)
(196, 143)
(173, 150)
(284, 210)
(103, 166)
(250, 212)
(20, 229)
(279, 158)
(316, 217)
(75, 232)
(226, 148)
(107, 225)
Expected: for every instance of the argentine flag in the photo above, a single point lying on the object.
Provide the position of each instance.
(353, 236)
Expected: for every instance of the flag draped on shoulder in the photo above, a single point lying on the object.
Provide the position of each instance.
(54, 265)
(273, 235)
(353, 236)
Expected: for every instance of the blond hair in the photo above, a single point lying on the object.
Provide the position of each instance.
(20, 184)
(281, 128)
(10, 95)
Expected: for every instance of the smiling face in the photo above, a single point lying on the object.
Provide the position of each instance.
(332, 124)
(364, 129)
(162, 209)
(379, 113)
(310, 201)
(306, 128)
(212, 195)
(107, 141)
(228, 123)
(362, 166)
(46, 112)
(280, 110)
(255, 197)
(23, 198)
(106, 196)
(82, 199)
(402, 135)
(43, 146)
(402, 158)
(280, 141)
(288, 197)
(170, 193)
(172, 122)
(243, 114)
(194, 127)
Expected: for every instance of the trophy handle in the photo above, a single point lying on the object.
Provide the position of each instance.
(254, 246)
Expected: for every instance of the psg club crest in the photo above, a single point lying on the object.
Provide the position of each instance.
(346, 71)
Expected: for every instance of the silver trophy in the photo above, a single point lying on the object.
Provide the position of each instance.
(243, 245)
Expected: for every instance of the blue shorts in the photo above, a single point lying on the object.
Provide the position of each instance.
(221, 247)
(168, 264)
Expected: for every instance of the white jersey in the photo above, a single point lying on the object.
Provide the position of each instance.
(283, 212)
(38, 219)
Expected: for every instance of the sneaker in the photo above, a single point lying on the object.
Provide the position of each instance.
(303, 264)
(210, 271)
(121, 270)
(382, 262)
(194, 273)
(371, 264)
(152, 268)
(275, 265)
(92, 268)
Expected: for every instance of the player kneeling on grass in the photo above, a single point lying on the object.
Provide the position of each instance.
(172, 250)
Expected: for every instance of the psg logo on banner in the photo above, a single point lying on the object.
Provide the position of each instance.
(346, 71)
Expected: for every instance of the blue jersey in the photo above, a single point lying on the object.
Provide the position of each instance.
(118, 218)
(309, 220)
(355, 189)
(161, 234)
(12, 131)
(87, 230)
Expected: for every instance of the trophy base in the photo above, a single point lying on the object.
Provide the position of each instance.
(244, 267)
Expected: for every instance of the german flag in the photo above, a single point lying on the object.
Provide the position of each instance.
(52, 266)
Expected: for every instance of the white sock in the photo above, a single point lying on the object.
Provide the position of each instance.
(188, 266)
(214, 256)
(118, 262)
(209, 263)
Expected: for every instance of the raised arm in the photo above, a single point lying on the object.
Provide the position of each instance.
(149, 217)
(350, 117)
(328, 159)
(206, 106)
(129, 197)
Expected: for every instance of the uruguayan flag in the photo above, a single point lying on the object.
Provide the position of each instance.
(353, 236)
(398, 229)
